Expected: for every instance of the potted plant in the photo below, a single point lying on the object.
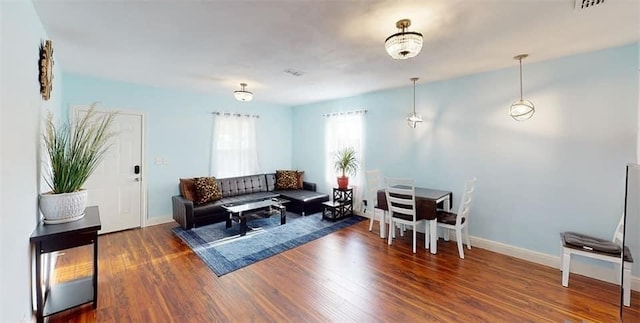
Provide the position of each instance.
(345, 163)
(73, 152)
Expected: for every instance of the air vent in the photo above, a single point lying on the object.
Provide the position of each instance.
(294, 72)
(584, 4)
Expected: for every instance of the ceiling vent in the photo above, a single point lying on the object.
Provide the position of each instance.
(584, 4)
(293, 72)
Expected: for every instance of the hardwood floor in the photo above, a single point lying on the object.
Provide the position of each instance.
(149, 275)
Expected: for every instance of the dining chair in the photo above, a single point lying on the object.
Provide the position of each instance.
(373, 184)
(401, 202)
(601, 249)
(459, 222)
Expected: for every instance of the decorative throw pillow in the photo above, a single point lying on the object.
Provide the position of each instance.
(286, 180)
(300, 176)
(188, 189)
(208, 190)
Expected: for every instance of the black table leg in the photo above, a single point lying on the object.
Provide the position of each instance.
(283, 215)
(243, 224)
(39, 300)
(95, 271)
(228, 224)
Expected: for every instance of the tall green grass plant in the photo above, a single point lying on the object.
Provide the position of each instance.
(76, 148)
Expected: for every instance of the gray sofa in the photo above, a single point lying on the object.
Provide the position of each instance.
(245, 189)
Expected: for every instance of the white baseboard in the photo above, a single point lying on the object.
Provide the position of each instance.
(580, 268)
(158, 220)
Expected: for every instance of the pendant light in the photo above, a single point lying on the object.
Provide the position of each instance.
(403, 44)
(242, 94)
(522, 109)
(414, 118)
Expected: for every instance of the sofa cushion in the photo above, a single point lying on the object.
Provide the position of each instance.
(303, 195)
(286, 180)
(300, 177)
(188, 189)
(241, 185)
(207, 188)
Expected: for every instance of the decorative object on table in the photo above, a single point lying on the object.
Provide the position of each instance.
(224, 250)
(345, 163)
(74, 150)
(413, 119)
(242, 94)
(522, 109)
(403, 44)
(46, 69)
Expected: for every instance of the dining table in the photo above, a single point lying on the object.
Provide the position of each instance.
(428, 201)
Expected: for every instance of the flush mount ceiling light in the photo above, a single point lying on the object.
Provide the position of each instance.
(414, 118)
(522, 109)
(242, 94)
(403, 44)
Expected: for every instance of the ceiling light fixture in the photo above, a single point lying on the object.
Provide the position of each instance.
(403, 44)
(242, 94)
(414, 118)
(522, 109)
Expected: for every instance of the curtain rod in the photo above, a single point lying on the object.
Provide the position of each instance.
(235, 114)
(344, 113)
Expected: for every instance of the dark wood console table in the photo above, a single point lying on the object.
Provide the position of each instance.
(55, 237)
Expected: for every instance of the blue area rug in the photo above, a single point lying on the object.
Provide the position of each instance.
(224, 250)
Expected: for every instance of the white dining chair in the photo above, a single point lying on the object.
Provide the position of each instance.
(606, 250)
(373, 185)
(459, 222)
(401, 203)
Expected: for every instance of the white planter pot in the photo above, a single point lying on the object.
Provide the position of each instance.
(62, 208)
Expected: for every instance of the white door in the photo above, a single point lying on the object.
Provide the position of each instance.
(116, 185)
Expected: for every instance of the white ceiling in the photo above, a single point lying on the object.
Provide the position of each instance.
(212, 46)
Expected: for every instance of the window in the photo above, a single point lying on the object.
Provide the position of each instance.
(345, 130)
(234, 151)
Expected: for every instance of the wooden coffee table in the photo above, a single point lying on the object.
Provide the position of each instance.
(246, 211)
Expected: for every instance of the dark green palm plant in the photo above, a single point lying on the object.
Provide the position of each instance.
(345, 161)
(75, 150)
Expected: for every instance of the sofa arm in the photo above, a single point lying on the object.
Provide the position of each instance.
(309, 186)
(183, 211)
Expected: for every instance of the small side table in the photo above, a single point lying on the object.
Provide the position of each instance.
(341, 206)
(48, 238)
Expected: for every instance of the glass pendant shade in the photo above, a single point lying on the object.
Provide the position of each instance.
(413, 119)
(522, 110)
(403, 44)
(242, 94)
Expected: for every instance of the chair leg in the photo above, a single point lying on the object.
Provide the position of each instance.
(414, 237)
(426, 234)
(626, 284)
(459, 241)
(433, 236)
(383, 223)
(445, 234)
(391, 231)
(373, 215)
(566, 266)
(465, 230)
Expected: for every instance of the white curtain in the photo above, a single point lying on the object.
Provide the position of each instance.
(345, 130)
(234, 151)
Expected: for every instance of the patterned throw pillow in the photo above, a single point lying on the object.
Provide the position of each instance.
(300, 176)
(188, 189)
(286, 180)
(208, 190)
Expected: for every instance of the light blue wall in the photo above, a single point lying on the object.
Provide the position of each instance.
(562, 170)
(21, 111)
(179, 128)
